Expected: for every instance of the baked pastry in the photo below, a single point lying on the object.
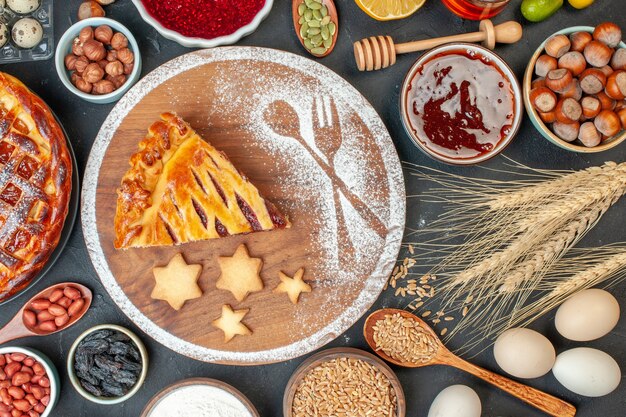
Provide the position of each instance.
(181, 189)
(35, 184)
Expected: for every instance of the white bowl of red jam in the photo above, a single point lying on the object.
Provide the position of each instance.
(197, 24)
(461, 104)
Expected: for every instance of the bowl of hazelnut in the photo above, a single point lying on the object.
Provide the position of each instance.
(98, 59)
(575, 88)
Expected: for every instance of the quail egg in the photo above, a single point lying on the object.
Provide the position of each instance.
(23, 6)
(2, 3)
(27, 33)
(4, 34)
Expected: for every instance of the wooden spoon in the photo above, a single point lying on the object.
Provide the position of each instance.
(17, 328)
(334, 17)
(538, 399)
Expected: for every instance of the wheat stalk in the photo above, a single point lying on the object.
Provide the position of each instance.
(513, 233)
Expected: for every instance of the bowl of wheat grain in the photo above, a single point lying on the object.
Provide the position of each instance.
(344, 381)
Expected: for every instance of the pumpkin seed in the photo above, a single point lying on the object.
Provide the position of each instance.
(315, 6)
(313, 31)
(321, 50)
(304, 30)
(317, 14)
(327, 42)
(314, 23)
(308, 15)
(325, 33)
(324, 11)
(301, 9)
(325, 20)
(308, 45)
(316, 39)
(332, 28)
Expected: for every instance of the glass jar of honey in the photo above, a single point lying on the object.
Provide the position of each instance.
(475, 9)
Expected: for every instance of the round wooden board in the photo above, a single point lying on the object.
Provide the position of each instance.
(348, 212)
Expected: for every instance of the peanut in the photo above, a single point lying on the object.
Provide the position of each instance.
(56, 310)
(76, 307)
(72, 293)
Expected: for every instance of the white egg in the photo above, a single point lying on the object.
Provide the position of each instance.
(27, 33)
(588, 315)
(456, 401)
(586, 371)
(524, 353)
(23, 6)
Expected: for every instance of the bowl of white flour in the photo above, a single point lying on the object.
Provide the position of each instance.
(199, 397)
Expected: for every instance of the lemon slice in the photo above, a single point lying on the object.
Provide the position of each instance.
(390, 9)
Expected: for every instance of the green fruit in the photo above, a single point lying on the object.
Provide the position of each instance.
(538, 10)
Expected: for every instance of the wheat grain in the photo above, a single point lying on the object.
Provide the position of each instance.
(404, 339)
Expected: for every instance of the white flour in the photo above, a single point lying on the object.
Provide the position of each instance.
(307, 177)
(199, 401)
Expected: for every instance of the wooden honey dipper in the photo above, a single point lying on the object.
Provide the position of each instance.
(379, 52)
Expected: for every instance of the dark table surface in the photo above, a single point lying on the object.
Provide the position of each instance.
(264, 385)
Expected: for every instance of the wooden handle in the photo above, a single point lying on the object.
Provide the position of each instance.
(507, 32)
(14, 329)
(538, 399)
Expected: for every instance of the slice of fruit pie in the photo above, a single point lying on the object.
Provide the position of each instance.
(181, 189)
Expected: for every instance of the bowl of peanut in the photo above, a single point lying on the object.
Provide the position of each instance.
(31, 384)
(98, 59)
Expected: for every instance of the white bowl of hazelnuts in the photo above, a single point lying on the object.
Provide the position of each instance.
(575, 88)
(98, 59)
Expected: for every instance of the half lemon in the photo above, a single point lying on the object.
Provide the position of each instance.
(390, 9)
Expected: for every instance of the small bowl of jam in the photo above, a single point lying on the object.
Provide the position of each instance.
(461, 104)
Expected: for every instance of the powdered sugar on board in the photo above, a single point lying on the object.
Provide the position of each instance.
(350, 165)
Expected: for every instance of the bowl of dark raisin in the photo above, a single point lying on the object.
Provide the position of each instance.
(107, 364)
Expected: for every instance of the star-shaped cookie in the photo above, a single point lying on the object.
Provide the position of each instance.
(176, 282)
(240, 273)
(230, 323)
(293, 286)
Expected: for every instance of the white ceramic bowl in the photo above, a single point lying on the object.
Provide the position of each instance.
(506, 71)
(106, 400)
(202, 42)
(64, 47)
(51, 372)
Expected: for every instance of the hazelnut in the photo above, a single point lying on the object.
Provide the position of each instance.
(621, 113)
(77, 47)
(85, 34)
(81, 64)
(90, 9)
(591, 107)
(103, 63)
(589, 135)
(549, 117)
(579, 40)
(568, 110)
(538, 82)
(545, 63)
(103, 87)
(592, 81)
(104, 34)
(83, 85)
(608, 33)
(94, 50)
(114, 68)
(608, 123)
(566, 131)
(597, 54)
(574, 91)
(616, 85)
(559, 80)
(119, 41)
(118, 80)
(128, 68)
(543, 99)
(618, 62)
(607, 102)
(74, 78)
(93, 73)
(557, 46)
(607, 70)
(112, 56)
(573, 61)
(70, 62)
(125, 56)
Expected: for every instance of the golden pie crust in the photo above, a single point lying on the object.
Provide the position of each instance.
(181, 189)
(35, 184)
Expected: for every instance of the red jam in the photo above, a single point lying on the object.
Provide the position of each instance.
(203, 18)
(460, 105)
